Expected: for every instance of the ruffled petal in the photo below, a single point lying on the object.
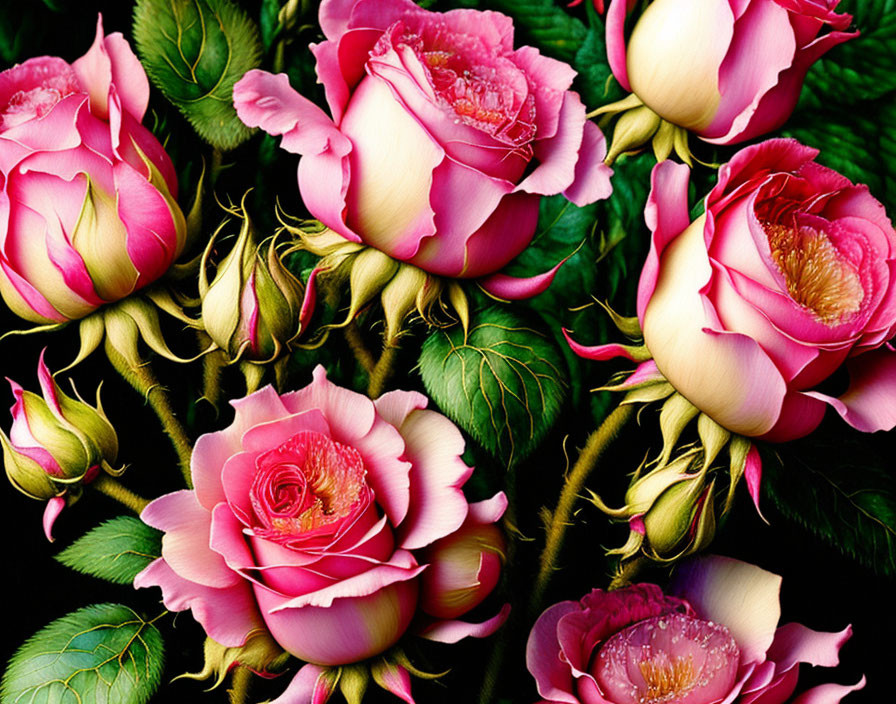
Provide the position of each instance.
(453, 631)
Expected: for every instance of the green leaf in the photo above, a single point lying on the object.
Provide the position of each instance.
(194, 51)
(115, 550)
(836, 486)
(595, 81)
(18, 29)
(862, 68)
(103, 654)
(503, 385)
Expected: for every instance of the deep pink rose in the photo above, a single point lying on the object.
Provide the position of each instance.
(788, 276)
(727, 70)
(87, 194)
(312, 517)
(442, 137)
(716, 641)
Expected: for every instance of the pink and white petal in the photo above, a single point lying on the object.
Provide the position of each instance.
(340, 66)
(592, 178)
(227, 615)
(395, 406)
(186, 543)
(763, 29)
(800, 415)
(615, 37)
(488, 511)
(394, 679)
(144, 140)
(356, 628)
(742, 597)
(227, 539)
(323, 182)
(667, 216)
(828, 693)
(795, 643)
(128, 75)
(868, 404)
(551, 79)
(26, 301)
(94, 71)
(433, 446)
(401, 567)
(267, 101)
(309, 686)
(600, 353)
(453, 631)
(558, 156)
(212, 450)
(553, 677)
(262, 437)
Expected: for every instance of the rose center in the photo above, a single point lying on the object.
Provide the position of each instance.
(306, 483)
(39, 90)
(472, 82)
(671, 659)
(818, 277)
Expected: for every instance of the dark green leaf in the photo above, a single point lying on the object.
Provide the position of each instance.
(504, 385)
(862, 68)
(115, 550)
(18, 28)
(269, 22)
(595, 82)
(194, 51)
(103, 654)
(839, 489)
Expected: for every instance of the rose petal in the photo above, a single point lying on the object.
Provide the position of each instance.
(453, 631)
(553, 677)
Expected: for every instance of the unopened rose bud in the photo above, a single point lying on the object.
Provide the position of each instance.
(56, 443)
(463, 569)
(253, 309)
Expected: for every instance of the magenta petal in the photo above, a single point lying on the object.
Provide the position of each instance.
(453, 631)
(397, 680)
(267, 101)
(868, 404)
(600, 353)
(228, 615)
(615, 35)
(553, 676)
(306, 687)
(489, 510)
(128, 75)
(828, 693)
(515, 288)
(51, 513)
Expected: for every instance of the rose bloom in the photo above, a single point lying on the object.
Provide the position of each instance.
(443, 136)
(788, 276)
(716, 640)
(311, 518)
(87, 208)
(727, 70)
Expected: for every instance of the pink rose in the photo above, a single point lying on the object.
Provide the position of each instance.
(87, 209)
(716, 640)
(789, 274)
(727, 70)
(443, 136)
(309, 519)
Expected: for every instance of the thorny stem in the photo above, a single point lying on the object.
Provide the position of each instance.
(239, 689)
(212, 365)
(113, 489)
(627, 572)
(596, 445)
(144, 381)
(359, 349)
(382, 370)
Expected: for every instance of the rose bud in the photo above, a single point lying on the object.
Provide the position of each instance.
(464, 567)
(90, 213)
(713, 637)
(726, 70)
(55, 445)
(786, 279)
(441, 137)
(253, 308)
(310, 518)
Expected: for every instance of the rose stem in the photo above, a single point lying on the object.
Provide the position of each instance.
(382, 370)
(597, 443)
(212, 364)
(145, 382)
(359, 349)
(239, 690)
(627, 571)
(113, 489)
